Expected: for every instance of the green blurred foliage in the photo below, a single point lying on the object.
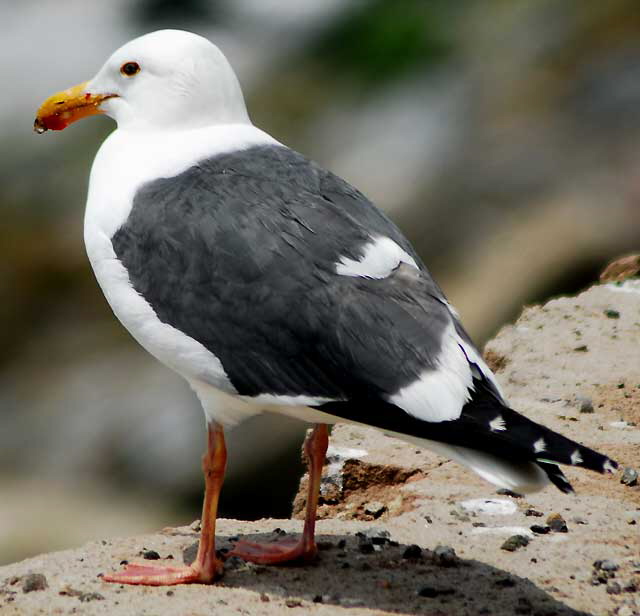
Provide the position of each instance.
(382, 40)
(177, 13)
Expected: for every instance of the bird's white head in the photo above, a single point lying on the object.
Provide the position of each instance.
(169, 79)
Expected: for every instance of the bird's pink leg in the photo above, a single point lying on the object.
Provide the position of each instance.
(206, 567)
(302, 549)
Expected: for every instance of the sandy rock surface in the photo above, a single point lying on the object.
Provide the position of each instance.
(404, 531)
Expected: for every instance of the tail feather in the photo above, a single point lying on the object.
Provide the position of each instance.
(489, 428)
(544, 445)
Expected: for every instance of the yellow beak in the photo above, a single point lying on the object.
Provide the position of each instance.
(64, 108)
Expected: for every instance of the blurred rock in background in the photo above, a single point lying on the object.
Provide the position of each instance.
(502, 137)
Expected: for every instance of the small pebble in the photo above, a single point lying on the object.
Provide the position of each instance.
(293, 603)
(150, 555)
(632, 517)
(611, 314)
(613, 588)
(606, 565)
(601, 577)
(195, 526)
(557, 523)
(585, 404)
(583, 348)
(445, 556)
(539, 530)
(629, 477)
(85, 597)
(506, 492)
(533, 513)
(264, 597)
(412, 552)
(514, 542)
(376, 536)
(375, 508)
(34, 581)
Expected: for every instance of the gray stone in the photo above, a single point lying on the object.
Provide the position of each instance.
(445, 556)
(605, 565)
(629, 476)
(34, 581)
(584, 403)
(515, 542)
(375, 508)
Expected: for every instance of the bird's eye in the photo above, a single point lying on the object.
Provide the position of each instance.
(129, 69)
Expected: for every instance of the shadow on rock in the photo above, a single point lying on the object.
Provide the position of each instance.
(370, 570)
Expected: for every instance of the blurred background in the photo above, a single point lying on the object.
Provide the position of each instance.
(501, 136)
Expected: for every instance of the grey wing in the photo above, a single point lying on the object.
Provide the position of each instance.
(297, 283)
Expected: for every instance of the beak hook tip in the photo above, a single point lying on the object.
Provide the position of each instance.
(39, 126)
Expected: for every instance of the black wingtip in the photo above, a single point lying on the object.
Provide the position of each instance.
(557, 477)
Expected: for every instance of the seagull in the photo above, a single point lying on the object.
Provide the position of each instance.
(272, 285)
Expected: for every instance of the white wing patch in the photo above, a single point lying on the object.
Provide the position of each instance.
(439, 395)
(380, 257)
(497, 424)
(576, 458)
(539, 445)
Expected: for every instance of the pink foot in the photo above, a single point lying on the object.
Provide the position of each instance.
(275, 553)
(157, 575)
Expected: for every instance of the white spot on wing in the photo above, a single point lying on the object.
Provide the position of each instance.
(497, 424)
(380, 257)
(539, 445)
(439, 395)
(576, 458)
